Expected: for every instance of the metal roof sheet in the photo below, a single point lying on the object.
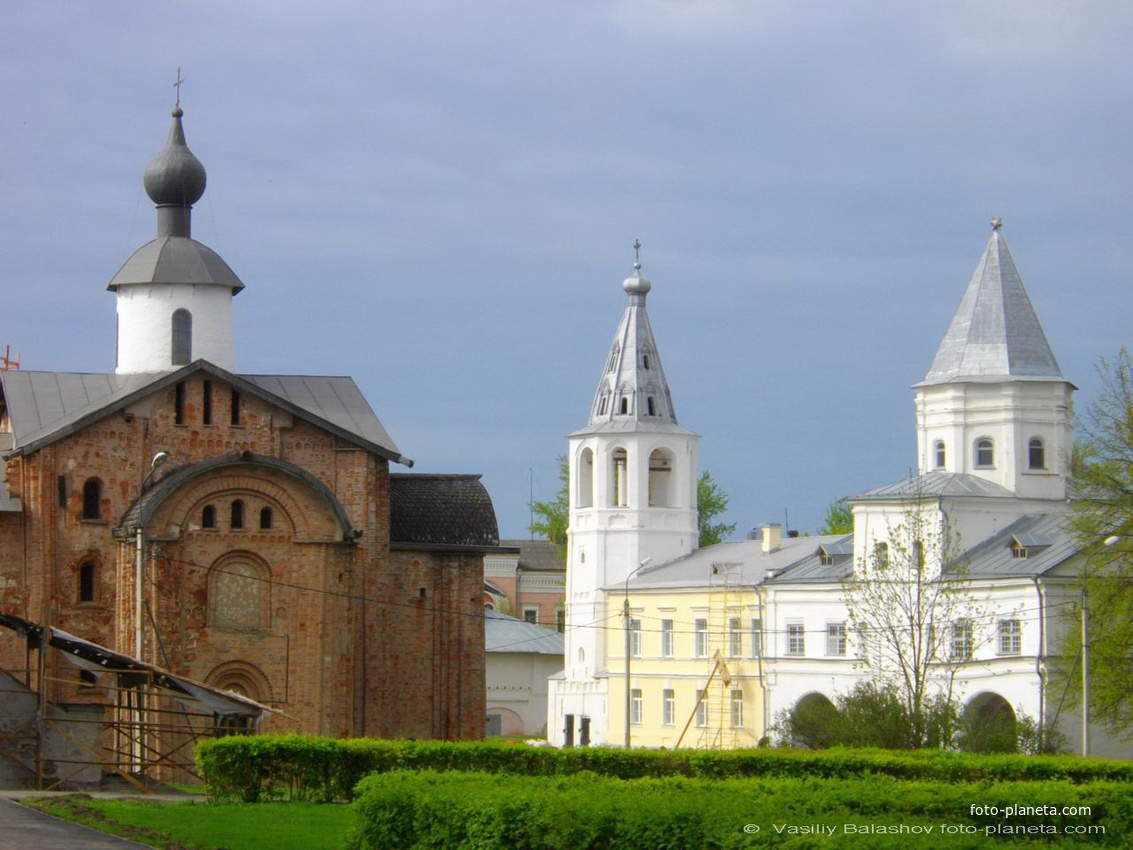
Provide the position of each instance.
(934, 484)
(176, 260)
(507, 634)
(446, 510)
(993, 557)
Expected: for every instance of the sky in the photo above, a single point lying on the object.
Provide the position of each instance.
(440, 200)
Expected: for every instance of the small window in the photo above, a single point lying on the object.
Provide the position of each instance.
(985, 453)
(635, 638)
(796, 639)
(236, 407)
(941, 455)
(700, 638)
(825, 558)
(701, 709)
(636, 707)
(737, 708)
(963, 641)
(86, 581)
(668, 707)
(650, 406)
(836, 639)
(735, 638)
(645, 362)
(531, 614)
(1018, 550)
(620, 496)
(1010, 637)
(208, 517)
(265, 519)
(613, 361)
(92, 499)
(1036, 454)
(179, 403)
(666, 638)
(560, 619)
(61, 483)
(603, 403)
(182, 337)
(206, 403)
(756, 637)
(624, 409)
(237, 514)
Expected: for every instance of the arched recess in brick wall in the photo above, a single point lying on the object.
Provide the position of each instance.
(243, 678)
(239, 592)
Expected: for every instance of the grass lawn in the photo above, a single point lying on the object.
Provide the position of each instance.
(208, 826)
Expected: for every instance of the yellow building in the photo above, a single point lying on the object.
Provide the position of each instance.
(699, 651)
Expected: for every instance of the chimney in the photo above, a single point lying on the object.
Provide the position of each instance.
(772, 534)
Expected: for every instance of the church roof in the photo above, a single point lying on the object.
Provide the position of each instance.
(176, 259)
(507, 634)
(995, 334)
(441, 512)
(45, 406)
(633, 394)
(932, 485)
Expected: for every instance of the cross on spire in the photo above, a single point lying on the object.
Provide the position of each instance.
(996, 224)
(637, 253)
(177, 85)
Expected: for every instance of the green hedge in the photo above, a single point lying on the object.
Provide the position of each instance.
(406, 810)
(271, 767)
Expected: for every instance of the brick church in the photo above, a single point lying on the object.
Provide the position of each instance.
(280, 557)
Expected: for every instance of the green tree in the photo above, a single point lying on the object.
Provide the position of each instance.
(554, 516)
(711, 501)
(1102, 470)
(839, 518)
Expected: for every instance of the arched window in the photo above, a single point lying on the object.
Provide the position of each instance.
(237, 518)
(941, 456)
(208, 517)
(985, 452)
(92, 499)
(1036, 454)
(619, 480)
(585, 490)
(661, 487)
(86, 581)
(265, 518)
(238, 595)
(623, 408)
(182, 337)
(650, 406)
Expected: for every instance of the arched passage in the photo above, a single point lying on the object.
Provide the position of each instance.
(813, 722)
(988, 725)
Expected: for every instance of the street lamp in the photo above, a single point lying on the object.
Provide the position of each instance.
(139, 585)
(1107, 543)
(625, 618)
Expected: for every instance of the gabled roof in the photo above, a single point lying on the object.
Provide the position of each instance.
(439, 512)
(507, 634)
(995, 334)
(933, 485)
(46, 406)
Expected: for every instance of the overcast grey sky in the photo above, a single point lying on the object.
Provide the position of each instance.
(440, 198)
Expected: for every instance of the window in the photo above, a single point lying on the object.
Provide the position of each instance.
(92, 499)
(613, 361)
(835, 638)
(86, 581)
(635, 638)
(985, 452)
(1018, 550)
(61, 486)
(531, 614)
(237, 514)
(179, 403)
(624, 407)
(236, 407)
(666, 638)
(668, 707)
(649, 406)
(1010, 637)
(560, 619)
(645, 362)
(796, 639)
(619, 498)
(881, 554)
(585, 495)
(182, 336)
(700, 638)
(265, 519)
(603, 403)
(756, 637)
(660, 479)
(206, 403)
(735, 638)
(701, 709)
(941, 456)
(635, 710)
(825, 558)
(962, 640)
(1036, 454)
(737, 708)
(208, 517)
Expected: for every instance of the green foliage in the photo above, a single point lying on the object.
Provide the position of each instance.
(294, 767)
(429, 809)
(839, 518)
(711, 501)
(554, 516)
(1102, 469)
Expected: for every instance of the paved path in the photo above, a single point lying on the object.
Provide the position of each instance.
(22, 828)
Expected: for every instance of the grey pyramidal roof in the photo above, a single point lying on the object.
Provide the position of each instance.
(633, 394)
(995, 334)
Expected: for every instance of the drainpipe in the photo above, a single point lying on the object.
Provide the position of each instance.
(763, 683)
(1040, 657)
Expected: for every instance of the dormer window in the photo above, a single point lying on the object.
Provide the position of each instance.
(1036, 454)
(825, 558)
(649, 405)
(645, 362)
(623, 408)
(1018, 550)
(985, 453)
(613, 358)
(941, 455)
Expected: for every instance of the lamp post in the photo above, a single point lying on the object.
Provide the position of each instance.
(625, 619)
(1107, 543)
(139, 567)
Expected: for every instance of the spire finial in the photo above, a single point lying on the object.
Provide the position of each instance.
(637, 253)
(997, 224)
(177, 85)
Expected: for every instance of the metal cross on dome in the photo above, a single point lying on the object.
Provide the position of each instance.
(637, 251)
(177, 85)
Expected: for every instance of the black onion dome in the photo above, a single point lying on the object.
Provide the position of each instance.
(175, 177)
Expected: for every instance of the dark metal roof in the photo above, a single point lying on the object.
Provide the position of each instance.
(537, 555)
(934, 484)
(507, 634)
(446, 511)
(176, 260)
(45, 406)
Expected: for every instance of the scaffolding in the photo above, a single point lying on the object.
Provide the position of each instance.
(141, 724)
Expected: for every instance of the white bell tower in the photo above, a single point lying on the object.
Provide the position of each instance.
(174, 294)
(633, 474)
